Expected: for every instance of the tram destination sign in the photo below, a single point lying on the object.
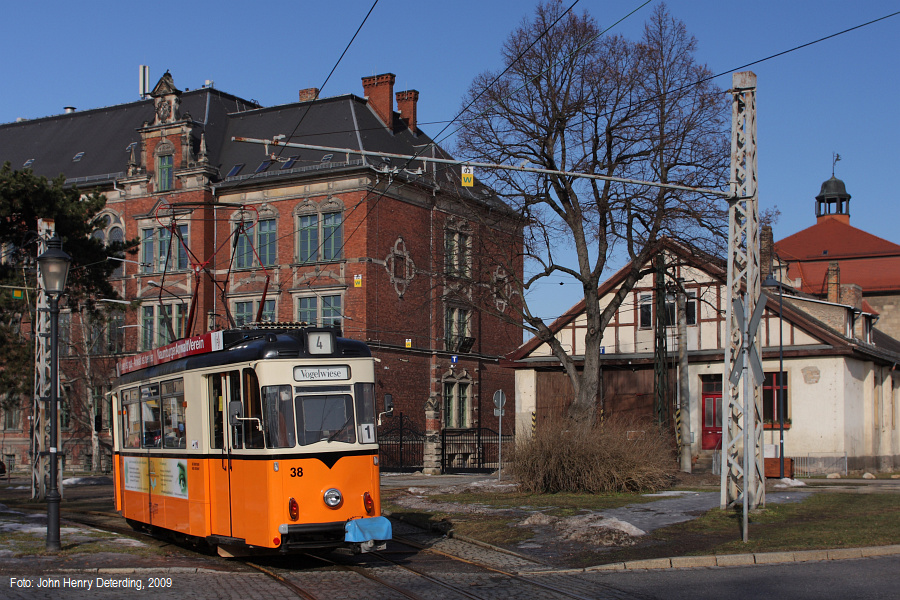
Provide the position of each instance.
(200, 344)
(322, 373)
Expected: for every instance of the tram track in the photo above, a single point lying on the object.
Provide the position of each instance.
(431, 573)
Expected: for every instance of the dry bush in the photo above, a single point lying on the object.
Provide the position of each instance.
(615, 455)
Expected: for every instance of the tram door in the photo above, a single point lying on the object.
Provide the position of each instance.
(223, 387)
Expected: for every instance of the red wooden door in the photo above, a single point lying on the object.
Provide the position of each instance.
(712, 421)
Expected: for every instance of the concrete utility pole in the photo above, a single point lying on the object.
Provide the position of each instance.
(684, 388)
(742, 404)
(660, 363)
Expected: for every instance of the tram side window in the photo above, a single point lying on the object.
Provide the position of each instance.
(234, 393)
(131, 419)
(216, 410)
(325, 418)
(150, 416)
(279, 421)
(173, 408)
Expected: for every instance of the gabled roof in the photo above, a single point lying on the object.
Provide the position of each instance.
(711, 264)
(884, 346)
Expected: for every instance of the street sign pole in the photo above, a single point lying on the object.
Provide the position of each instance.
(499, 401)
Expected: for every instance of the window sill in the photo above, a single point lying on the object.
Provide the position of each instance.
(158, 273)
(318, 262)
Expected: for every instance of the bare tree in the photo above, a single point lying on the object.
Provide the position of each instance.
(573, 100)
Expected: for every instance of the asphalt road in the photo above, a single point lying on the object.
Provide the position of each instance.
(863, 579)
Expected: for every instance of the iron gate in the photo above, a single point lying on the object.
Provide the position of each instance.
(473, 450)
(402, 447)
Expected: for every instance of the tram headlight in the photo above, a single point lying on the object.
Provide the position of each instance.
(293, 509)
(368, 503)
(333, 498)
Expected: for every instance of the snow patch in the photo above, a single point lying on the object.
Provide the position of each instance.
(787, 482)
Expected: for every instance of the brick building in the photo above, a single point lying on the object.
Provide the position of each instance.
(397, 253)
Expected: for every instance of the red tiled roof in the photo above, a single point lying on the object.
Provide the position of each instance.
(833, 239)
(867, 308)
(867, 260)
(873, 275)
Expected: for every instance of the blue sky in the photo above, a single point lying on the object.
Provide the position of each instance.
(835, 96)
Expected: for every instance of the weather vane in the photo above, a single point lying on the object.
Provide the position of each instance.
(835, 157)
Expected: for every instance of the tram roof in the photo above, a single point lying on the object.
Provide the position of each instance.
(249, 345)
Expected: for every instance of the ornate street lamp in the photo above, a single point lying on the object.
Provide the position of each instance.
(53, 267)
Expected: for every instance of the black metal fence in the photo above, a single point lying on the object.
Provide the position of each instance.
(473, 450)
(402, 446)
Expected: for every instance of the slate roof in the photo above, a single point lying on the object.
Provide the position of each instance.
(867, 260)
(346, 121)
(104, 134)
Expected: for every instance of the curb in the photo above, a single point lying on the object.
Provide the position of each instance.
(735, 560)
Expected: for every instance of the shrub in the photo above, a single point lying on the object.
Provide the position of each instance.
(615, 455)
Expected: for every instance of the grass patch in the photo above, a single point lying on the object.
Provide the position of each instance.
(822, 520)
(499, 530)
(494, 531)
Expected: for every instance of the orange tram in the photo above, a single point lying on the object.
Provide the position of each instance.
(252, 440)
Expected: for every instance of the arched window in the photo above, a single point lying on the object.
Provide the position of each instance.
(457, 400)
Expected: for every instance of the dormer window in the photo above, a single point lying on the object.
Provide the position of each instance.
(165, 178)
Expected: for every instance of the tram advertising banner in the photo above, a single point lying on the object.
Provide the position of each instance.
(135, 474)
(162, 477)
(199, 344)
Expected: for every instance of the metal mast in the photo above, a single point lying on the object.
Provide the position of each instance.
(40, 432)
(742, 405)
(660, 364)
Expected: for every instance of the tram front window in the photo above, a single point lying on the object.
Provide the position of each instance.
(279, 421)
(325, 418)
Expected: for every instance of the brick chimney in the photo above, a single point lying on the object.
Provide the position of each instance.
(379, 89)
(766, 243)
(833, 282)
(309, 94)
(851, 295)
(406, 104)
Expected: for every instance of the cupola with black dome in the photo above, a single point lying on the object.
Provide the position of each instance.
(833, 200)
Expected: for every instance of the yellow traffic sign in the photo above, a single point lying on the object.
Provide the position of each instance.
(468, 176)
